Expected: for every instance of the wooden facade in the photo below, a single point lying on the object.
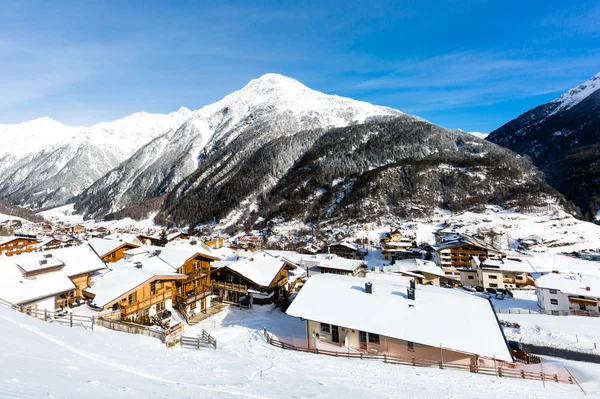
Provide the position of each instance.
(191, 293)
(118, 253)
(152, 296)
(233, 287)
(18, 245)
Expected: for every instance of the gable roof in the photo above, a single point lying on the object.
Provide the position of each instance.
(124, 276)
(260, 269)
(105, 246)
(438, 316)
(415, 265)
(16, 288)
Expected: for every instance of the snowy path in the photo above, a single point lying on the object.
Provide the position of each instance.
(46, 360)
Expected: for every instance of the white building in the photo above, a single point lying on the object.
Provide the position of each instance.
(381, 314)
(498, 273)
(559, 293)
(330, 263)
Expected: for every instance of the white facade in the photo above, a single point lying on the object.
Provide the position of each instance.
(562, 293)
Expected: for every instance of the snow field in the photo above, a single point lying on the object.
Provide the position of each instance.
(40, 359)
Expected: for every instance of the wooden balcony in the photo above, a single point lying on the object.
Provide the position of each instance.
(146, 303)
(194, 296)
(230, 287)
(583, 301)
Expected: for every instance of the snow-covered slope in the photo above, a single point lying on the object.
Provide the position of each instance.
(44, 163)
(265, 109)
(561, 138)
(48, 360)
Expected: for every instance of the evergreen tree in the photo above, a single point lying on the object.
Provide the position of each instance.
(162, 240)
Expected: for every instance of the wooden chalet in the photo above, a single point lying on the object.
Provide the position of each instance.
(259, 279)
(110, 250)
(457, 254)
(17, 244)
(347, 250)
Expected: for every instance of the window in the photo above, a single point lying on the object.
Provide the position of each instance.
(410, 346)
(470, 277)
(160, 306)
(374, 338)
(492, 285)
(553, 291)
(325, 328)
(554, 301)
(159, 284)
(493, 277)
(153, 288)
(519, 277)
(132, 298)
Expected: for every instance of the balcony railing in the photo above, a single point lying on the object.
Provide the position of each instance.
(145, 303)
(230, 287)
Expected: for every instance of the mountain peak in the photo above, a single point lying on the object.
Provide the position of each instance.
(577, 94)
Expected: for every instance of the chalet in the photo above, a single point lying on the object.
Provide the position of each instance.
(124, 237)
(330, 263)
(136, 288)
(78, 229)
(456, 254)
(390, 315)
(259, 279)
(110, 250)
(192, 293)
(422, 271)
(347, 250)
(17, 244)
(48, 244)
(49, 281)
(309, 249)
(568, 293)
(498, 273)
(398, 242)
(216, 243)
(250, 242)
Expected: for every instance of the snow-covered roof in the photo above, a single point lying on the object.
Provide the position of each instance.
(338, 263)
(464, 240)
(346, 244)
(36, 261)
(437, 317)
(261, 268)
(174, 256)
(18, 289)
(104, 246)
(506, 265)
(292, 256)
(7, 239)
(124, 276)
(571, 284)
(415, 265)
(193, 245)
(125, 237)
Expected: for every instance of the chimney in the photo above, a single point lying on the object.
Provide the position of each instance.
(588, 289)
(193, 242)
(369, 287)
(411, 294)
(137, 265)
(412, 284)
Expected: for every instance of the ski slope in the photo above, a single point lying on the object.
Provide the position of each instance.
(47, 360)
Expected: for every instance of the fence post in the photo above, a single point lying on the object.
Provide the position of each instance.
(93, 321)
(499, 371)
(45, 314)
(215, 344)
(385, 358)
(71, 319)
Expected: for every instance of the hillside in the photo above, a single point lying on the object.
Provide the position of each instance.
(267, 108)
(402, 167)
(561, 138)
(8, 210)
(48, 360)
(44, 163)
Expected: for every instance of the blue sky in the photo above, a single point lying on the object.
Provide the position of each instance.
(462, 64)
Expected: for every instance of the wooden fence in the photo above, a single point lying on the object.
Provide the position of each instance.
(571, 312)
(63, 318)
(197, 342)
(131, 328)
(497, 371)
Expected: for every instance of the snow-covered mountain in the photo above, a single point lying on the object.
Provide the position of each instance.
(44, 163)
(269, 107)
(562, 138)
